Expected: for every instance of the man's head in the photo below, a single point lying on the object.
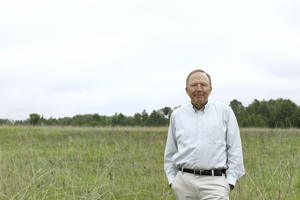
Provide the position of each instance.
(198, 70)
(198, 87)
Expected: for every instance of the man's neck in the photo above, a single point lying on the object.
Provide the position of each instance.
(199, 106)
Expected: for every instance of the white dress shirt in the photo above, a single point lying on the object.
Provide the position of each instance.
(204, 139)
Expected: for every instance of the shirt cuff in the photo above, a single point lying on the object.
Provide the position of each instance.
(231, 180)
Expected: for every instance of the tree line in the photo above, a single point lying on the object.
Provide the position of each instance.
(280, 113)
(156, 118)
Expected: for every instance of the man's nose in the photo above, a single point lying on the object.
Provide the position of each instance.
(199, 87)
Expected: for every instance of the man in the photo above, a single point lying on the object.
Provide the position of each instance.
(203, 155)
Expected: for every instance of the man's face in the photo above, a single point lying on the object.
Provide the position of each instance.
(198, 89)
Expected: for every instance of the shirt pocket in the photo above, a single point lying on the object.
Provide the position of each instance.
(215, 134)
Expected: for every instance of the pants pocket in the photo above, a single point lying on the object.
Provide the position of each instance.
(174, 181)
(227, 185)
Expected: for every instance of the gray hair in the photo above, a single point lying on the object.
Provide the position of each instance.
(198, 70)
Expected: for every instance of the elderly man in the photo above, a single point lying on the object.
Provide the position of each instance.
(203, 155)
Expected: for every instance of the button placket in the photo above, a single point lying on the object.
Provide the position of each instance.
(199, 129)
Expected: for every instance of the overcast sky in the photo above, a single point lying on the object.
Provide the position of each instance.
(62, 58)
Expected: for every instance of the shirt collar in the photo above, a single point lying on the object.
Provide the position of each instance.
(202, 109)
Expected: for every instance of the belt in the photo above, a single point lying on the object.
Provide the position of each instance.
(215, 172)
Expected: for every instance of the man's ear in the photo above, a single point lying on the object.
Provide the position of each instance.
(186, 90)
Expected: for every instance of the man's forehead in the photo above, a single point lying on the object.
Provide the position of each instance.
(199, 75)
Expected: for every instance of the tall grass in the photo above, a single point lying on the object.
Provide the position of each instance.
(271, 158)
(127, 163)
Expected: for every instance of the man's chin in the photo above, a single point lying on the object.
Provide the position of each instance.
(199, 101)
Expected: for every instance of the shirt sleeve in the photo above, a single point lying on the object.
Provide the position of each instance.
(234, 150)
(171, 148)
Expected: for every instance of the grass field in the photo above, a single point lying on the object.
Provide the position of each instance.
(127, 163)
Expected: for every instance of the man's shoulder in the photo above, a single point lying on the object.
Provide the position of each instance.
(218, 105)
(181, 109)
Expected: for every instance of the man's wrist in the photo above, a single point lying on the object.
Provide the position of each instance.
(231, 186)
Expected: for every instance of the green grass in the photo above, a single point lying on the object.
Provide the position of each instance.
(127, 163)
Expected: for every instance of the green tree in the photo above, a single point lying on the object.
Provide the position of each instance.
(121, 119)
(145, 118)
(166, 111)
(96, 117)
(238, 109)
(236, 106)
(34, 119)
(114, 120)
(245, 122)
(253, 107)
(295, 118)
(264, 111)
(260, 122)
(6, 122)
(137, 119)
(157, 119)
(286, 110)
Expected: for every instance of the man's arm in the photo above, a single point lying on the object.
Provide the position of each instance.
(234, 150)
(171, 148)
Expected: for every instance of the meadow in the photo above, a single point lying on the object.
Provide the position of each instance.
(127, 163)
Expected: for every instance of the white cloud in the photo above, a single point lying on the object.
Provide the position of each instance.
(14, 5)
(96, 47)
(78, 57)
